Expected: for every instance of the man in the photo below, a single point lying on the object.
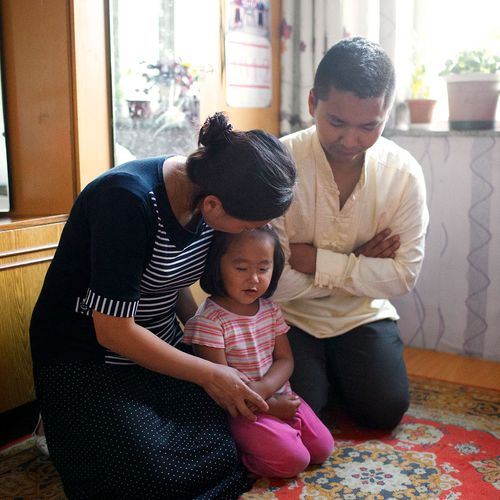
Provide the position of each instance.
(353, 237)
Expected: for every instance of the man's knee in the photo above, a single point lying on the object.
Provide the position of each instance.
(313, 390)
(309, 379)
(381, 413)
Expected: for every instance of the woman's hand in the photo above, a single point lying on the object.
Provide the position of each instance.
(228, 388)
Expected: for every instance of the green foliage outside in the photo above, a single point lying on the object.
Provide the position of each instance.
(472, 61)
(419, 89)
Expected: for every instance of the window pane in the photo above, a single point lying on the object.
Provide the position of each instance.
(446, 27)
(155, 90)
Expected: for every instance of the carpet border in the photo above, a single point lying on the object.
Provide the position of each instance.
(460, 384)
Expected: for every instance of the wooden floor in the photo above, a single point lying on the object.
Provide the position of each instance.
(453, 368)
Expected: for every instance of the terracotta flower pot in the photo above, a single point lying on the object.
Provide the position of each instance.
(472, 100)
(421, 110)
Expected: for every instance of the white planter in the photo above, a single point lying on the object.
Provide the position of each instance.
(472, 100)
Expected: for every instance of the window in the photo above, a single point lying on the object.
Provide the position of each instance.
(444, 28)
(159, 49)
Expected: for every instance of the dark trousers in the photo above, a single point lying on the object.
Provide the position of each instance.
(364, 367)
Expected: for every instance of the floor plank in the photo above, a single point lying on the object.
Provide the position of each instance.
(453, 368)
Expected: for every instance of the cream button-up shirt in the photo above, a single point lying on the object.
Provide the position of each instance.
(348, 291)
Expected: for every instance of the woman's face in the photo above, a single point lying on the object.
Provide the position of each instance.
(216, 217)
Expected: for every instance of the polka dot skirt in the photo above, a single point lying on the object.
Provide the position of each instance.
(125, 432)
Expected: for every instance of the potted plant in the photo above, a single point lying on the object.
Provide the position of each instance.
(473, 84)
(420, 105)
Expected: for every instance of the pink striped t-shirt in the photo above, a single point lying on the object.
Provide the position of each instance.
(248, 341)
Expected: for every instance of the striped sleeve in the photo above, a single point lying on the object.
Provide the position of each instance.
(111, 307)
(203, 331)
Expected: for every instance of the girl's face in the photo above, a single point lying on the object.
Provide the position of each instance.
(247, 269)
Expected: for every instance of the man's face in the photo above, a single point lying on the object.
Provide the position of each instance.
(348, 125)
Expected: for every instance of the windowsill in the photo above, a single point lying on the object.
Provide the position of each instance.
(439, 129)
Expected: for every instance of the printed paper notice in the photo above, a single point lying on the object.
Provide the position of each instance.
(248, 54)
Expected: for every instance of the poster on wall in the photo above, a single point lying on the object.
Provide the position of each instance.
(248, 53)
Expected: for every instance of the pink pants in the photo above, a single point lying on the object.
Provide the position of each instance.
(274, 448)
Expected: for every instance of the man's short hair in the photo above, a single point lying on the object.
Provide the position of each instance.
(355, 65)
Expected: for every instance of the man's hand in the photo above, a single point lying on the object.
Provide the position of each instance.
(303, 257)
(382, 245)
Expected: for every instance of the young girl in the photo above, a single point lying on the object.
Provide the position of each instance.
(239, 327)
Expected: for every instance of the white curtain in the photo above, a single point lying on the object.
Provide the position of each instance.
(309, 28)
(455, 306)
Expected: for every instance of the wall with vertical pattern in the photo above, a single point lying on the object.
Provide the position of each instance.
(455, 306)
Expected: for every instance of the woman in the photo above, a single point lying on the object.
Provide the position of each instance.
(127, 413)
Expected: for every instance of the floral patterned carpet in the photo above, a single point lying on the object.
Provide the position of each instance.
(447, 447)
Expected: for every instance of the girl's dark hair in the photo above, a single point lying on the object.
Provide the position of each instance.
(251, 173)
(211, 279)
(356, 65)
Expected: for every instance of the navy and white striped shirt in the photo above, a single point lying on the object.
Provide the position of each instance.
(122, 253)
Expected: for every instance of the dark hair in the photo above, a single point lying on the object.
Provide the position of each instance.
(211, 279)
(356, 65)
(251, 173)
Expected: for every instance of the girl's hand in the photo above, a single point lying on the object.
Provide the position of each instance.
(283, 406)
(228, 388)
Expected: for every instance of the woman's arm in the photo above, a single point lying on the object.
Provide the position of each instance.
(223, 384)
(280, 406)
(276, 376)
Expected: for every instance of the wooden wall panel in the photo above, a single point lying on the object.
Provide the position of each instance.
(37, 77)
(92, 90)
(25, 255)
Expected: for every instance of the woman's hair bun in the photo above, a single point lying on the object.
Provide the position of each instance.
(215, 132)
